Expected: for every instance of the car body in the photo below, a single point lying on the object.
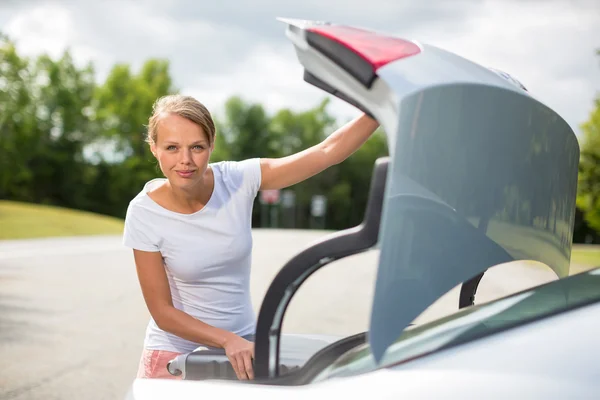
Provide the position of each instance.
(479, 173)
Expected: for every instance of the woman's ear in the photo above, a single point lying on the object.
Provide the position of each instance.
(153, 148)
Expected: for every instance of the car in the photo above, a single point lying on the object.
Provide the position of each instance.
(480, 173)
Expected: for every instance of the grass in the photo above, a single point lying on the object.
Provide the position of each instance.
(589, 255)
(24, 221)
(584, 257)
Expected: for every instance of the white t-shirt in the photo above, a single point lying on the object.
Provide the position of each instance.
(207, 254)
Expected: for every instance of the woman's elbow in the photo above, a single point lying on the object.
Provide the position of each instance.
(330, 156)
(163, 317)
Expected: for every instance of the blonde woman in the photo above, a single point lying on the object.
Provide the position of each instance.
(191, 232)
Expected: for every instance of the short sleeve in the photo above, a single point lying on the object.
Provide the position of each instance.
(245, 175)
(252, 175)
(138, 233)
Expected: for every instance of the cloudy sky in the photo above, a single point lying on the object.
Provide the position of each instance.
(225, 47)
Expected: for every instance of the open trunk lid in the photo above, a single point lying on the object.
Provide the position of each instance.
(480, 172)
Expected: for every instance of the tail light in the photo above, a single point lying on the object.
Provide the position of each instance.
(361, 53)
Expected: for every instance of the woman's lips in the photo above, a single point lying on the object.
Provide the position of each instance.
(185, 174)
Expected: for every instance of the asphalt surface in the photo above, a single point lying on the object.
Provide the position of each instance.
(72, 318)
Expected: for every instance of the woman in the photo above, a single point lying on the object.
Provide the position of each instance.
(191, 232)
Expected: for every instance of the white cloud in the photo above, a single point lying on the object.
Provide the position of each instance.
(550, 47)
(270, 76)
(50, 28)
(46, 28)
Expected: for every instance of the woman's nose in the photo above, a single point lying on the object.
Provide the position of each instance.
(186, 157)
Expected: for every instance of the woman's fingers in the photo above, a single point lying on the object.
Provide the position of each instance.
(241, 366)
(234, 364)
(240, 353)
(247, 359)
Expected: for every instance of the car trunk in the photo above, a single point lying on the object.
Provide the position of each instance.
(480, 171)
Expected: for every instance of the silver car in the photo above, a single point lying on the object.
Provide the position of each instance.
(479, 173)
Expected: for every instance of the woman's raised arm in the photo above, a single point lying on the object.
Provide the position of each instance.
(278, 173)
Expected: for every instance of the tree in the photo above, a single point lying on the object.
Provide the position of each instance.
(244, 131)
(44, 127)
(348, 197)
(16, 122)
(588, 199)
(62, 93)
(292, 132)
(121, 108)
(124, 102)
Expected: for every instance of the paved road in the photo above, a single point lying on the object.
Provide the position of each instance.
(72, 318)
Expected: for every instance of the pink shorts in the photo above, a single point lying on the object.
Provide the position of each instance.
(153, 364)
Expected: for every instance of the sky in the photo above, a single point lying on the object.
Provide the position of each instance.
(218, 49)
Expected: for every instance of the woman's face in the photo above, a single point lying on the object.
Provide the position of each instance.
(182, 150)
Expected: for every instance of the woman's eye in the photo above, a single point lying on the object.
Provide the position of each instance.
(171, 148)
(198, 147)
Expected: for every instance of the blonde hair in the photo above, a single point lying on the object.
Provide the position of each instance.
(184, 106)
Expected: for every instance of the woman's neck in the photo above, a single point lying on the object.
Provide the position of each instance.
(194, 197)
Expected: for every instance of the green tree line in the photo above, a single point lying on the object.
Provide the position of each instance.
(588, 199)
(67, 140)
(70, 141)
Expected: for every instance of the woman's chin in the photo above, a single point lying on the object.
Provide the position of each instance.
(177, 180)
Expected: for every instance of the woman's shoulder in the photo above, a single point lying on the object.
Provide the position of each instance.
(230, 167)
(140, 231)
(236, 174)
(143, 200)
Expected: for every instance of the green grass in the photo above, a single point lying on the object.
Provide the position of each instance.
(589, 255)
(24, 221)
(584, 257)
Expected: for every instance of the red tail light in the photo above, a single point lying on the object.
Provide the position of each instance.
(358, 51)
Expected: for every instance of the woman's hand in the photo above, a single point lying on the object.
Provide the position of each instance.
(240, 353)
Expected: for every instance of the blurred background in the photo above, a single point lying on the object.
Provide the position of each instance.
(77, 83)
(79, 79)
